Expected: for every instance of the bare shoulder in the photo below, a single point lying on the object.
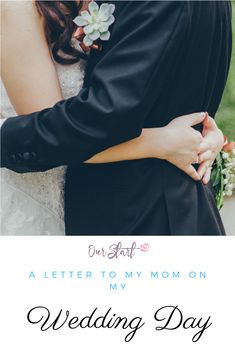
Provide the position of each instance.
(22, 17)
(19, 11)
(31, 87)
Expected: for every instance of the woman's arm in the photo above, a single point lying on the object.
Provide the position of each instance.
(180, 149)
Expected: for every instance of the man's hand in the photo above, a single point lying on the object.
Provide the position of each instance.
(213, 137)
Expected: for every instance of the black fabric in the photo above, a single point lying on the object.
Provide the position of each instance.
(164, 59)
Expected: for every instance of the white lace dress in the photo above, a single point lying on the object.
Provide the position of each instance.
(33, 203)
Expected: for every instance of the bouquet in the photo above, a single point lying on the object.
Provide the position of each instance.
(223, 173)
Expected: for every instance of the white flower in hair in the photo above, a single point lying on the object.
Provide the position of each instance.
(96, 22)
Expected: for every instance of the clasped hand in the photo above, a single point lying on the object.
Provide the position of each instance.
(188, 146)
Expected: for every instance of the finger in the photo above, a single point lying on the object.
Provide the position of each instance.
(196, 159)
(196, 118)
(204, 146)
(206, 124)
(193, 119)
(192, 159)
(191, 171)
(207, 176)
(203, 168)
(204, 156)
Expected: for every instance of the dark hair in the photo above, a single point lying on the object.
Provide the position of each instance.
(59, 28)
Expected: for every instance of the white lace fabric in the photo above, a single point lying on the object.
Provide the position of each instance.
(33, 203)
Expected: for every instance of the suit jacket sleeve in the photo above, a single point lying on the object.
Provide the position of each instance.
(123, 87)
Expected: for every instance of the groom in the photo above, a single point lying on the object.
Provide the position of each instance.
(164, 59)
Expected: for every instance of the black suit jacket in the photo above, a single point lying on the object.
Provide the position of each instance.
(164, 59)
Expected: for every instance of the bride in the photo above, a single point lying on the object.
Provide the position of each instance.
(41, 65)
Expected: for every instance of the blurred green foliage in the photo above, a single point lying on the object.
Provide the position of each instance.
(226, 114)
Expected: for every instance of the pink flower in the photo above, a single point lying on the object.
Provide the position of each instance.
(229, 146)
(144, 247)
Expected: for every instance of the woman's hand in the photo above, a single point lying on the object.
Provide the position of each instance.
(178, 143)
(183, 144)
(214, 138)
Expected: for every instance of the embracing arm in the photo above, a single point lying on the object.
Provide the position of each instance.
(113, 109)
(32, 84)
(30, 78)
